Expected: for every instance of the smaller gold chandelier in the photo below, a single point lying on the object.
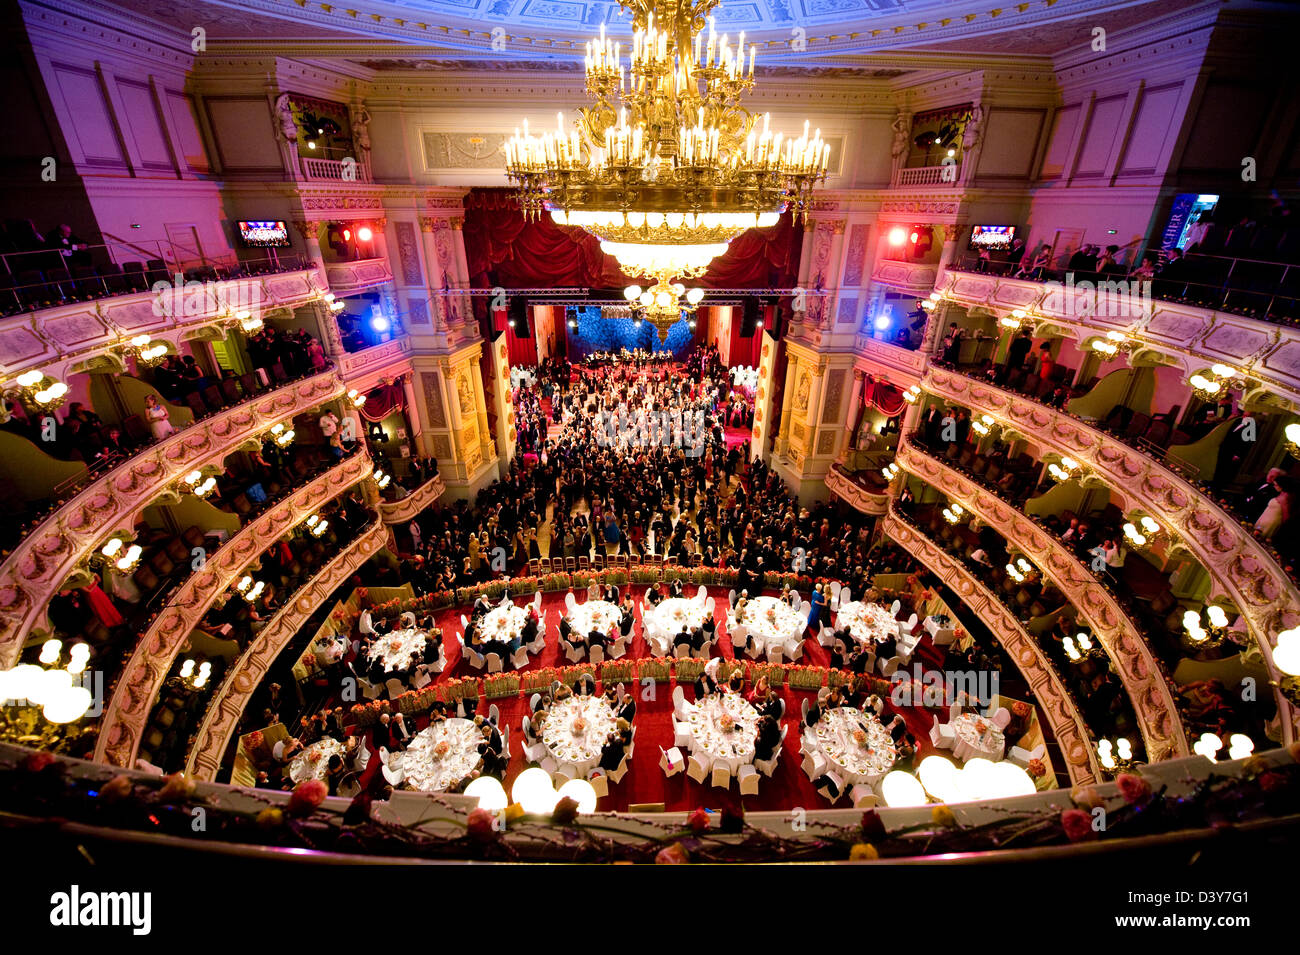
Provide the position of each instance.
(1115, 757)
(317, 525)
(357, 398)
(890, 471)
(382, 479)
(931, 303)
(1112, 344)
(1080, 647)
(954, 513)
(982, 426)
(1201, 636)
(197, 484)
(282, 436)
(912, 395)
(1065, 470)
(125, 558)
(40, 393)
(662, 305)
(1142, 533)
(1014, 320)
(1292, 433)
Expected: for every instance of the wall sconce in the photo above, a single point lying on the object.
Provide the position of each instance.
(1014, 320)
(931, 303)
(146, 354)
(1201, 636)
(316, 525)
(282, 436)
(912, 395)
(124, 558)
(1145, 531)
(1080, 647)
(1115, 757)
(890, 471)
(381, 479)
(1286, 652)
(982, 426)
(357, 398)
(1292, 432)
(195, 483)
(1112, 344)
(248, 323)
(954, 513)
(39, 392)
(1064, 471)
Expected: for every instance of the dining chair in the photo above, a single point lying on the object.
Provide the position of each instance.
(420, 678)
(697, 768)
(747, 777)
(681, 734)
(863, 796)
(599, 782)
(494, 664)
(617, 775)
(679, 702)
(794, 651)
(682, 651)
(1001, 717)
(519, 659)
(671, 761)
(814, 764)
(573, 654)
(776, 654)
(395, 687)
(721, 775)
(1021, 756)
(494, 715)
(833, 788)
(596, 654)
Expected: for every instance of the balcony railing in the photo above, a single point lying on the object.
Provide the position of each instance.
(44, 559)
(948, 175)
(1194, 336)
(913, 277)
(347, 277)
(221, 721)
(127, 711)
(1057, 705)
(366, 359)
(78, 330)
(1247, 571)
(402, 511)
(1144, 679)
(333, 170)
(866, 499)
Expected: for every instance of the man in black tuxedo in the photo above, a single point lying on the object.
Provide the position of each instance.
(769, 737)
(596, 639)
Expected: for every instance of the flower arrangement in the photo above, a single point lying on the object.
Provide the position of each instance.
(689, 668)
(579, 726)
(571, 675)
(498, 685)
(801, 677)
(534, 681)
(658, 669)
(441, 749)
(726, 723)
(860, 737)
(1036, 769)
(366, 714)
(774, 672)
(616, 671)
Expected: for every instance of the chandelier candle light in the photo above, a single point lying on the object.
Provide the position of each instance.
(666, 167)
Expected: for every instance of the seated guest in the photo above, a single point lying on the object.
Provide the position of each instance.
(585, 685)
(675, 588)
(628, 619)
(626, 708)
(611, 754)
(887, 647)
(897, 728)
(334, 773)
(610, 594)
(683, 638)
(769, 737)
(697, 640)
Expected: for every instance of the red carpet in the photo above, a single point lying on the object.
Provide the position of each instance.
(645, 782)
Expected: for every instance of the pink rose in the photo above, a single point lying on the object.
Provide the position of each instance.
(307, 795)
(481, 824)
(698, 821)
(1077, 825)
(674, 854)
(1133, 788)
(1272, 781)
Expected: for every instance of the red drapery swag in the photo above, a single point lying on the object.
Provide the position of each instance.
(521, 342)
(383, 401)
(883, 396)
(501, 248)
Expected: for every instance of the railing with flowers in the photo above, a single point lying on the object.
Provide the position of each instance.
(150, 662)
(1059, 708)
(227, 705)
(1241, 565)
(49, 554)
(1144, 679)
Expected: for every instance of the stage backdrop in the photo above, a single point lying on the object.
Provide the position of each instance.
(595, 334)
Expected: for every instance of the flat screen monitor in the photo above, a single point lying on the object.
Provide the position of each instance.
(263, 233)
(992, 236)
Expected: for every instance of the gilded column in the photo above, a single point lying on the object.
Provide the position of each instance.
(854, 416)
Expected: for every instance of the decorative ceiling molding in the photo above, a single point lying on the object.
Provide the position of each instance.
(1062, 715)
(126, 714)
(1144, 680)
(41, 563)
(221, 721)
(1267, 597)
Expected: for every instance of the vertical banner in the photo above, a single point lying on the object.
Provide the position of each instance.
(1178, 216)
(498, 395)
(762, 430)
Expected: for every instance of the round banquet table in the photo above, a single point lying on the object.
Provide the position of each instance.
(432, 768)
(665, 621)
(977, 736)
(396, 648)
(867, 622)
(571, 745)
(836, 737)
(503, 623)
(313, 761)
(711, 741)
(594, 615)
(771, 622)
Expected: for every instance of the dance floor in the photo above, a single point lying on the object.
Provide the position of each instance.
(645, 782)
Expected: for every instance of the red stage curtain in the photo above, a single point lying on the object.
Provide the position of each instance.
(521, 345)
(383, 401)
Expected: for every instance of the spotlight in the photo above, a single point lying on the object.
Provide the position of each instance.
(897, 236)
(882, 322)
(381, 324)
(364, 234)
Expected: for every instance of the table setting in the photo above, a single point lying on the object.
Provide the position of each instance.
(439, 756)
(868, 623)
(395, 649)
(976, 736)
(855, 743)
(575, 730)
(504, 623)
(314, 760)
(770, 621)
(666, 620)
(724, 728)
(594, 615)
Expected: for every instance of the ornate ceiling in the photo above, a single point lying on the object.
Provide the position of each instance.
(791, 30)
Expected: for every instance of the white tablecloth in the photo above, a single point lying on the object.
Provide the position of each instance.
(665, 621)
(578, 745)
(594, 615)
(836, 736)
(503, 623)
(771, 622)
(433, 768)
(977, 736)
(312, 762)
(395, 649)
(867, 622)
(711, 740)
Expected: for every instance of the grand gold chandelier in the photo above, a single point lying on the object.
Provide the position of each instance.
(666, 167)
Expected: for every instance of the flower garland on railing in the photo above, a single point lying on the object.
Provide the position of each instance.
(41, 788)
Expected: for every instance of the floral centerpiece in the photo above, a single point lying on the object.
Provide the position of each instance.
(579, 726)
(441, 749)
(726, 723)
(860, 737)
